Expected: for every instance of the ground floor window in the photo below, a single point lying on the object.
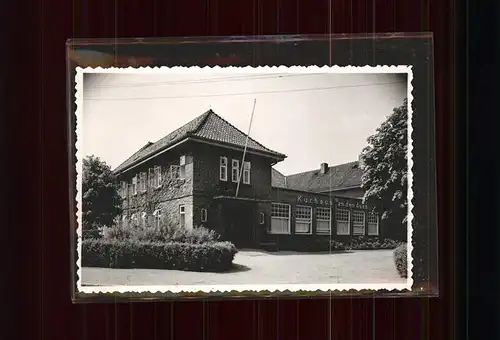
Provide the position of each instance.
(342, 217)
(182, 213)
(280, 218)
(204, 214)
(373, 224)
(323, 220)
(358, 222)
(144, 219)
(134, 220)
(303, 219)
(157, 217)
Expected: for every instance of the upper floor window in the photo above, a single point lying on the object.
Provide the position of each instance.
(151, 178)
(134, 185)
(143, 182)
(123, 191)
(303, 219)
(246, 172)
(174, 172)
(235, 170)
(182, 167)
(223, 169)
(157, 177)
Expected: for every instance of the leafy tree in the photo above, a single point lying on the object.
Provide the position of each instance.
(101, 202)
(384, 163)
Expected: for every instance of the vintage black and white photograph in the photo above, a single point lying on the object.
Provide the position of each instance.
(244, 179)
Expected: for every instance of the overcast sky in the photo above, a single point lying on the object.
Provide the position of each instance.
(312, 118)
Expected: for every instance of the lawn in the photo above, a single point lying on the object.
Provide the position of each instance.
(259, 267)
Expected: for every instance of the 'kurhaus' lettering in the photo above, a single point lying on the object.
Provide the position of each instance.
(313, 200)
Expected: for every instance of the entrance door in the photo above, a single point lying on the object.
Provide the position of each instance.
(240, 224)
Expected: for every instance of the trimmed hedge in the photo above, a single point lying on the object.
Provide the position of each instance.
(364, 243)
(166, 232)
(401, 260)
(211, 256)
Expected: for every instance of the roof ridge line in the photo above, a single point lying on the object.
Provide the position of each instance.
(253, 140)
(202, 121)
(148, 144)
(157, 141)
(329, 167)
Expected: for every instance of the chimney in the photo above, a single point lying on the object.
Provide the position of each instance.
(323, 168)
(360, 162)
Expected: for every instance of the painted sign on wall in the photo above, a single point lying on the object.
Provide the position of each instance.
(313, 200)
(357, 205)
(329, 202)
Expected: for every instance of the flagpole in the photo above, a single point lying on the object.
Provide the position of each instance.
(245, 149)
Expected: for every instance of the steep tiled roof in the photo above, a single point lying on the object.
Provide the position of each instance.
(217, 129)
(208, 126)
(337, 177)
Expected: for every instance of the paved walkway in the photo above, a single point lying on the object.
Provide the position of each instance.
(258, 267)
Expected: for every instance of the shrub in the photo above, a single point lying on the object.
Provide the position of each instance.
(364, 243)
(209, 256)
(165, 232)
(401, 260)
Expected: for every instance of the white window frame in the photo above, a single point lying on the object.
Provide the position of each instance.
(151, 178)
(157, 174)
(235, 167)
(289, 218)
(322, 219)
(144, 218)
(124, 189)
(303, 220)
(262, 218)
(246, 170)
(348, 221)
(157, 217)
(182, 167)
(373, 215)
(353, 222)
(223, 165)
(134, 184)
(204, 215)
(182, 213)
(175, 172)
(143, 181)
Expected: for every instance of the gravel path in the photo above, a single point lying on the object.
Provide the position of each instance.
(258, 267)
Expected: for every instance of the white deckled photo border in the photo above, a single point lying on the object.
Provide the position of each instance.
(255, 288)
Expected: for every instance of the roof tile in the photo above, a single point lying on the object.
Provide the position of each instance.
(209, 126)
(338, 177)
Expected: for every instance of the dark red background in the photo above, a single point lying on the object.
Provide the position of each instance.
(39, 269)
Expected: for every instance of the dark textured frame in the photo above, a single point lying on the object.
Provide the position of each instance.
(318, 50)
